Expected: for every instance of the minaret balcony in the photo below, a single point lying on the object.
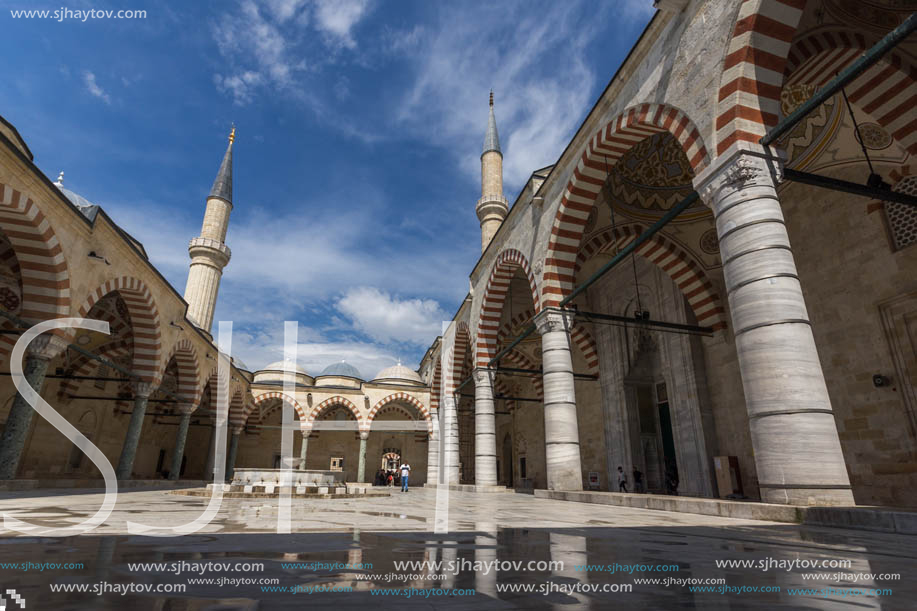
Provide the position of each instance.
(491, 205)
(208, 247)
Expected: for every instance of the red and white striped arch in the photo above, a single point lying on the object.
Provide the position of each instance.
(748, 103)
(521, 361)
(144, 322)
(332, 402)
(461, 346)
(42, 265)
(237, 413)
(501, 276)
(401, 397)
(189, 388)
(269, 401)
(681, 267)
(580, 336)
(885, 90)
(86, 366)
(589, 175)
(436, 386)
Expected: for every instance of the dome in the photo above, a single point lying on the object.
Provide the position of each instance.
(398, 373)
(342, 369)
(85, 206)
(283, 365)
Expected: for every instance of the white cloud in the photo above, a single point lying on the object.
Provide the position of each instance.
(336, 18)
(388, 319)
(89, 79)
(536, 62)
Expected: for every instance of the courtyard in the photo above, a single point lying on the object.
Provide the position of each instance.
(501, 551)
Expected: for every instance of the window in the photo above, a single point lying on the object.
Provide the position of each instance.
(337, 463)
(902, 219)
(522, 474)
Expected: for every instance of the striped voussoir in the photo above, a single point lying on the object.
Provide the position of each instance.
(885, 90)
(501, 276)
(604, 150)
(675, 261)
(85, 366)
(237, 413)
(270, 401)
(580, 336)
(402, 398)
(521, 361)
(188, 371)
(10, 263)
(144, 322)
(748, 102)
(436, 386)
(459, 351)
(42, 266)
(332, 402)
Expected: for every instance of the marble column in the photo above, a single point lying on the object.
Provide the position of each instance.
(361, 468)
(561, 432)
(485, 554)
(433, 448)
(451, 440)
(142, 391)
(231, 457)
(19, 421)
(485, 432)
(794, 436)
(209, 466)
(302, 450)
(181, 437)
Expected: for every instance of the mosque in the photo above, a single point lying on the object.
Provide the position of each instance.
(707, 288)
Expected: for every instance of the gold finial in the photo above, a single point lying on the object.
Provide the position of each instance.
(491, 97)
(232, 133)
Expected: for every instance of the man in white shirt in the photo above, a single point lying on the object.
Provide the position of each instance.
(405, 472)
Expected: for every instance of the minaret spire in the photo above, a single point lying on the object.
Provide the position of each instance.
(492, 208)
(209, 254)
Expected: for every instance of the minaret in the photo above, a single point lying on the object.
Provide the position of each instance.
(209, 255)
(492, 208)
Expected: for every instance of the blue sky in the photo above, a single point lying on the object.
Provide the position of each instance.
(359, 130)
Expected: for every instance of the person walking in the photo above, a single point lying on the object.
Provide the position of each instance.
(638, 481)
(405, 472)
(622, 480)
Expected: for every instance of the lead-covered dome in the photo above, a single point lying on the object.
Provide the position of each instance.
(343, 369)
(279, 371)
(398, 374)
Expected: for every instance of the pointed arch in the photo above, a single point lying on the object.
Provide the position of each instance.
(460, 347)
(884, 90)
(436, 385)
(43, 267)
(520, 360)
(189, 386)
(144, 321)
(237, 413)
(501, 276)
(675, 261)
(284, 398)
(748, 103)
(582, 339)
(404, 398)
(331, 402)
(86, 366)
(609, 144)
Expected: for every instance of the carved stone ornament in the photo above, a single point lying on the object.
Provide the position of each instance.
(741, 171)
(550, 320)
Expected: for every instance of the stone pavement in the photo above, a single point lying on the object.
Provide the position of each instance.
(358, 540)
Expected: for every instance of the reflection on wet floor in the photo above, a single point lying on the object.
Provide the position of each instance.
(359, 549)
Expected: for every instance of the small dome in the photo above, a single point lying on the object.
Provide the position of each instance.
(283, 366)
(85, 206)
(398, 373)
(342, 369)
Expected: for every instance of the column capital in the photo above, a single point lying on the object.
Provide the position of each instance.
(553, 319)
(483, 375)
(364, 435)
(740, 167)
(142, 389)
(46, 346)
(185, 408)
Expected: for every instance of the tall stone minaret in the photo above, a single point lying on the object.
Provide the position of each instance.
(492, 208)
(209, 255)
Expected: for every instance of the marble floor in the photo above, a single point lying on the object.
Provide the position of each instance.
(500, 551)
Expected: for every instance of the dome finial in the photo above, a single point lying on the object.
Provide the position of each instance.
(491, 97)
(60, 180)
(232, 133)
